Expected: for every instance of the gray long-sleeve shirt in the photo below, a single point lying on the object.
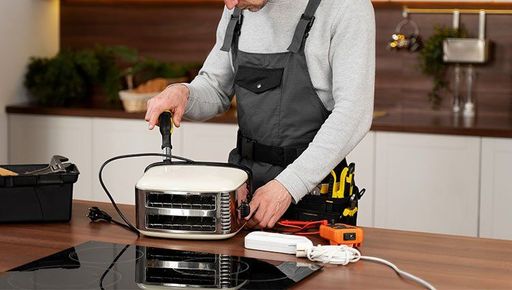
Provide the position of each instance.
(340, 54)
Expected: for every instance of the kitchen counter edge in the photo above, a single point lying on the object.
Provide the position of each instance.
(405, 121)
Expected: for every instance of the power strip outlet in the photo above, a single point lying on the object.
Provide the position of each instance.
(274, 242)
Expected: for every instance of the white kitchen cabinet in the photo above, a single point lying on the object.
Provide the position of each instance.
(113, 137)
(363, 156)
(35, 139)
(496, 188)
(416, 182)
(208, 141)
(427, 183)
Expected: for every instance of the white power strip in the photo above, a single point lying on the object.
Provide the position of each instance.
(274, 242)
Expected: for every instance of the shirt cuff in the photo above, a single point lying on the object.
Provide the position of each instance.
(191, 97)
(293, 184)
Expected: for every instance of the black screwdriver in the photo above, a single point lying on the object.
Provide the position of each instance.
(165, 123)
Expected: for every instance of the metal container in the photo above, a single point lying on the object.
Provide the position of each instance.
(466, 50)
(192, 200)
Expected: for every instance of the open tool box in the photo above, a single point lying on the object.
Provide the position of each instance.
(37, 192)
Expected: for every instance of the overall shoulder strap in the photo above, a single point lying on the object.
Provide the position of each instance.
(233, 29)
(305, 23)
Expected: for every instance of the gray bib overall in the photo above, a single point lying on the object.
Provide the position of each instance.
(279, 111)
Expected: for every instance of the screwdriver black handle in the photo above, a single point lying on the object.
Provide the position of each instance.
(165, 129)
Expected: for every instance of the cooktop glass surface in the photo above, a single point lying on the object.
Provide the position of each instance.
(97, 265)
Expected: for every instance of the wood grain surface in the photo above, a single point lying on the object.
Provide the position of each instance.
(448, 262)
(186, 33)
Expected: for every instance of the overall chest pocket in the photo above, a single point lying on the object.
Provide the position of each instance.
(258, 80)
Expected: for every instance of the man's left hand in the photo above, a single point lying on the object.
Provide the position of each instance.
(268, 204)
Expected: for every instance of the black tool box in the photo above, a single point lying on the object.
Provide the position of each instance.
(36, 198)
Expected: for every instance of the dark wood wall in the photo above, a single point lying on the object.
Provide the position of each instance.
(400, 84)
(167, 32)
(186, 33)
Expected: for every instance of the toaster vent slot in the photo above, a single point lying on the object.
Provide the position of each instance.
(182, 201)
(225, 213)
(225, 271)
(181, 276)
(170, 255)
(181, 223)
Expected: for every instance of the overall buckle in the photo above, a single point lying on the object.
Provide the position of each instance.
(238, 19)
(310, 20)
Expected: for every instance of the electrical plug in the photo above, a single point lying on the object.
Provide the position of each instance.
(95, 214)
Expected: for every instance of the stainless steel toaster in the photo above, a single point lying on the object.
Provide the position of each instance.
(192, 200)
(170, 269)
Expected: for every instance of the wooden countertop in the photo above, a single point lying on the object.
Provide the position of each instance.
(407, 121)
(448, 262)
(432, 122)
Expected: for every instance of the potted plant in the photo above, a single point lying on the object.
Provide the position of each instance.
(432, 64)
(75, 77)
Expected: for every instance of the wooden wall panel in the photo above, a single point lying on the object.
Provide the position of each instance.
(400, 83)
(171, 33)
(186, 34)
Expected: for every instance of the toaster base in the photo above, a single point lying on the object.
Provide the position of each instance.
(183, 236)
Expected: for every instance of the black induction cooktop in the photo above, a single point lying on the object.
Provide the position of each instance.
(97, 265)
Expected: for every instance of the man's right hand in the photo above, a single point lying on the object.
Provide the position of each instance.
(174, 98)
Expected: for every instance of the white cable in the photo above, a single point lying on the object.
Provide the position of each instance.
(338, 255)
(343, 255)
(400, 272)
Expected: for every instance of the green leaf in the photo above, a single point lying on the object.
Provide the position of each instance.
(431, 60)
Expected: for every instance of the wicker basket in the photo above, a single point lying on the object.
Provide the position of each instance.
(135, 102)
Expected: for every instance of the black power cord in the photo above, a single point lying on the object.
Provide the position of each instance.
(112, 265)
(95, 214)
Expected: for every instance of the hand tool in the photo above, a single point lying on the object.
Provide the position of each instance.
(56, 165)
(342, 234)
(166, 129)
(345, 183)
(354, 198)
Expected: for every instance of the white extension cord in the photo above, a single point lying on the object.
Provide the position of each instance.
(303, 247)
(343, 255)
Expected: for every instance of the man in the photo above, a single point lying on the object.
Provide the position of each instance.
(303, 74)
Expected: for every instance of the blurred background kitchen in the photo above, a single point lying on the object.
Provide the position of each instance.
(75, 74)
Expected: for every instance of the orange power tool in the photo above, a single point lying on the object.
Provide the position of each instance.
(342, 234)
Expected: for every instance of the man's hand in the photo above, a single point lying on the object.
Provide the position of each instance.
(251, 5)
(174, 98)
(268, 204)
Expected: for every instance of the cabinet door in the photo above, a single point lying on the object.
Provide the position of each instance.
(364, 158)
(427, 183)
(208, 141)
(35, 139)
(112, 137)
(496, 189)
